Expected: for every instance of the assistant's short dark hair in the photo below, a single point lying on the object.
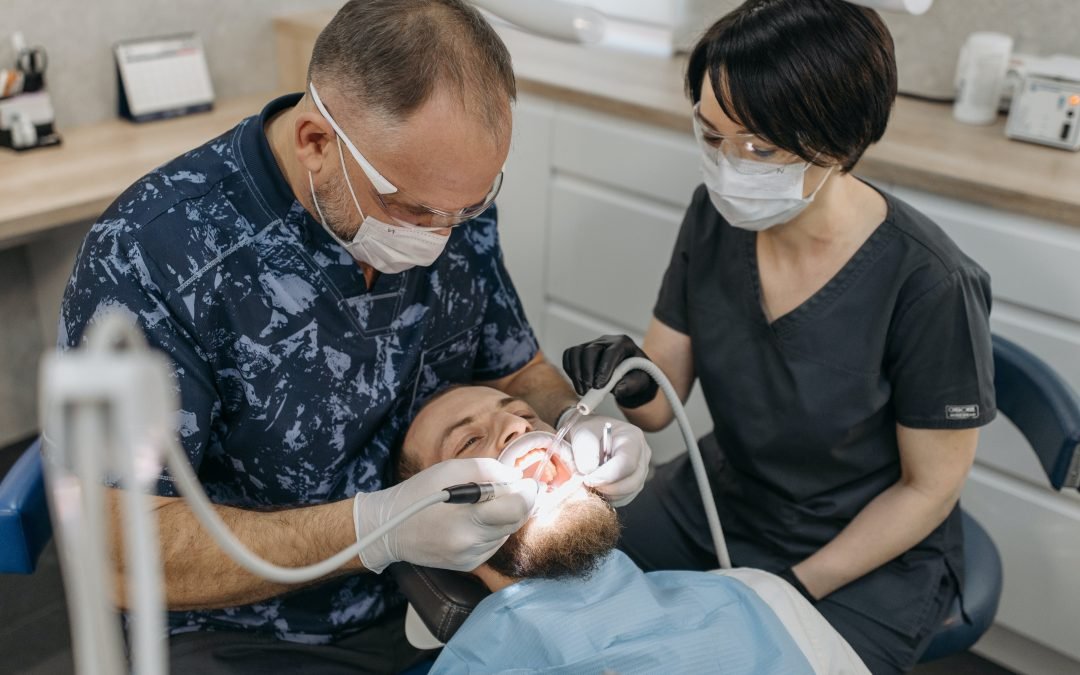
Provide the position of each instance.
(390, 56)
(810, 76)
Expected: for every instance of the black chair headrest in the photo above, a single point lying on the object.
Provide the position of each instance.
(441, 598)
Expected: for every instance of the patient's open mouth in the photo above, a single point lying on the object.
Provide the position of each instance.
(553, 474)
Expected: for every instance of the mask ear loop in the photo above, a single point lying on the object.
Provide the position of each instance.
(348, 182)
(311, 182)
(813, 195)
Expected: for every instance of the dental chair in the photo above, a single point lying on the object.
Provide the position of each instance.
(1037, 400)
(1046, 410)
(24, 516)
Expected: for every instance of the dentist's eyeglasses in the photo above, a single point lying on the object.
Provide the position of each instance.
(404, 210)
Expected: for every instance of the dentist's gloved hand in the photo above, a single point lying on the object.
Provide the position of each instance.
(591, 364)
(449, 536)
(620, 476)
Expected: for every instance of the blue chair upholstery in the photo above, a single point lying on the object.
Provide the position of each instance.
(1046, 410)
(24, 514)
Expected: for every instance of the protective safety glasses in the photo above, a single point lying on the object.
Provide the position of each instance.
(747, 153)
(404, 210)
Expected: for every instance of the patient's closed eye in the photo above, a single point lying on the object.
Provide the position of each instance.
(469, 442)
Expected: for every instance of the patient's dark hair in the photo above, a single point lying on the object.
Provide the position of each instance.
(814, 77)
(406, 467)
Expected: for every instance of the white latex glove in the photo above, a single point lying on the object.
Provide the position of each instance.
(621, 477)
(449, 536)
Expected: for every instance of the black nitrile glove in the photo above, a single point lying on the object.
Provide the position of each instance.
(591, 364)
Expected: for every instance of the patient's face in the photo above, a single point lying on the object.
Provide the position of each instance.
(469, 422)
(563, 539)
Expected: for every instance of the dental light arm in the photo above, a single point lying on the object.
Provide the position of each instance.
(573, 22)
(595, 397)
(554, 19)
(906, 6)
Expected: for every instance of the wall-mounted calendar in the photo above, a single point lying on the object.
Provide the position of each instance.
(162, 77)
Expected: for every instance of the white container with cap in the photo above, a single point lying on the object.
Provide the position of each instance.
(980, 77)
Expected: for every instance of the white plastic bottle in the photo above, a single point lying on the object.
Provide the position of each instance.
(980, 76)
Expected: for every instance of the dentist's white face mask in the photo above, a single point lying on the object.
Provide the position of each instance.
(757, 200)
(388, 248)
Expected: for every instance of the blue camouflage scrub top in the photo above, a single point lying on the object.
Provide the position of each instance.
(295, 379)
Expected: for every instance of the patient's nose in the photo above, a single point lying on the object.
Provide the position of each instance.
(513, 427)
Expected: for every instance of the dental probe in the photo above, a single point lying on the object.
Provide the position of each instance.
(605, 443)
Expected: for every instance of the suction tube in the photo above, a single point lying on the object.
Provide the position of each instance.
(595, 397)
(192, 492)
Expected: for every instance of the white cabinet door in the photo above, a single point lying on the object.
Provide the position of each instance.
(523, 202)
(657, 164)
(607, 251)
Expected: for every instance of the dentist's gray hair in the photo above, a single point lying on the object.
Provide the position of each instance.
(388, 57)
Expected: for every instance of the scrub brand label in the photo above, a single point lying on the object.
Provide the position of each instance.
(961, 412)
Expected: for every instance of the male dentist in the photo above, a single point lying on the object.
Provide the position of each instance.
(314, 274)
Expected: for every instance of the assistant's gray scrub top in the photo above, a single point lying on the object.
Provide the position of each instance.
(295, 379)
(805, 408)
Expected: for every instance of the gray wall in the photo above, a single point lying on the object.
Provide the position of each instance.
(927, 46)
(79, 34)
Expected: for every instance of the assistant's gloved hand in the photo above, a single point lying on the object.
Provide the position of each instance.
(620, 476)
(449, 536)
(591, 364)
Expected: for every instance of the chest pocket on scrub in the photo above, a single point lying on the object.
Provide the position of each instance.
(448, 362)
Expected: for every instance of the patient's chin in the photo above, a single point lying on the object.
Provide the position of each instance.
(568, 541)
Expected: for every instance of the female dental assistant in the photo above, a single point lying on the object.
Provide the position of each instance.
(840, 338)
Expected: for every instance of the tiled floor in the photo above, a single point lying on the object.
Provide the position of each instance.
(35, 640)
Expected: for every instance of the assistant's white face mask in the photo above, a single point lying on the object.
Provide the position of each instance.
(388, 248)
(757, 202)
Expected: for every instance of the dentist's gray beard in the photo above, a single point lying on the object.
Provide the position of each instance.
(338, 209)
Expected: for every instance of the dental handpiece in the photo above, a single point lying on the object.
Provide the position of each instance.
(475, 493)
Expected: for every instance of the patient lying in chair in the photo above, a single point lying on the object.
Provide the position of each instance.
(563, 598)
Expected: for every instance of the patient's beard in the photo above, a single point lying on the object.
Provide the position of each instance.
(571, 545)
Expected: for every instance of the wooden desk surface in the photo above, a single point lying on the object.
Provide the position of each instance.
(924, 147)
(50, 187)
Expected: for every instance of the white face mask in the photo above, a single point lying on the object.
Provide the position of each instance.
(388, 248)
(757, 202)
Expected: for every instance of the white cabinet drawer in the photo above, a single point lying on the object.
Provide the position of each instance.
(565, 327)
(607, 252)
(656, 163)
(1038, 535)
(1032, 262)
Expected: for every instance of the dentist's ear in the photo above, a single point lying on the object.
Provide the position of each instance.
(314, 139)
